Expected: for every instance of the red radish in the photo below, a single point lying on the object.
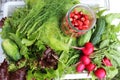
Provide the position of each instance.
(80, 67)
(89, 45)
(106, 61)
(100, 73)
(90, 67)
(85, 60)
(87, 49)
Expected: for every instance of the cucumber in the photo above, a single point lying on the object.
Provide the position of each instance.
(84, 38)
(100, 27)
(11, 49)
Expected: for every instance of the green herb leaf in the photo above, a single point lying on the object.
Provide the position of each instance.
(111, 72)
(112, 16)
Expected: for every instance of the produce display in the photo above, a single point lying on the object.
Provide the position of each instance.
(36, 47)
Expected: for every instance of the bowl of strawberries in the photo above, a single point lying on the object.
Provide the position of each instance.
(79, 19)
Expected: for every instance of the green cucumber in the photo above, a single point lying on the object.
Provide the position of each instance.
(11, 49)
(84, 38)
(100, 27)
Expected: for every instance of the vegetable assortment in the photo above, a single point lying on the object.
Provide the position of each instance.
(36, 47)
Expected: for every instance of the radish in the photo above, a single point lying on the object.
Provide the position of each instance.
(80, 67)
(100, 73)
(87, 49)
(90, 67)
(85, 60)
(89, 45)
(106, 61)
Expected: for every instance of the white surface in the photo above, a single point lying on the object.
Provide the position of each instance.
(77, 76)
(2, 56)
(97, 3)
(114, 7)
(10, 6)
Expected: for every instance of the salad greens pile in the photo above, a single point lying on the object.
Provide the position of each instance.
(35, 44)
(108, 44)
(34, 28)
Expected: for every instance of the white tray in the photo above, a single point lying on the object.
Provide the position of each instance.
(9, 7)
